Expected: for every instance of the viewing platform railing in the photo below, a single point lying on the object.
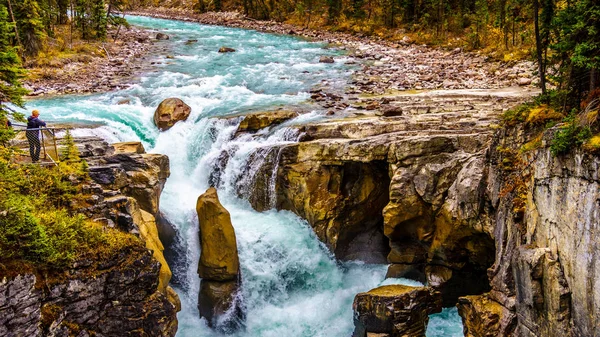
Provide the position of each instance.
(47, 138)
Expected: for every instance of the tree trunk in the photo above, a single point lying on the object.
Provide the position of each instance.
(12, 18)
(538, 46)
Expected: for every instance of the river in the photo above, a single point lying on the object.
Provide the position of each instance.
(292, 285)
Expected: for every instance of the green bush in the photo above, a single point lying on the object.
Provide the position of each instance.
(38, 218)
(569, 136)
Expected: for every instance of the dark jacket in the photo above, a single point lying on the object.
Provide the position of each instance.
(34, 122)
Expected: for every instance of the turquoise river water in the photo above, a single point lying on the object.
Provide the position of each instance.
(292, 285)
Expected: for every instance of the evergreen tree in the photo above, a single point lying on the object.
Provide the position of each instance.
(11, 73)
(31, 26)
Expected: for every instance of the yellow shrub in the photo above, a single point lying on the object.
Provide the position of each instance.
(542, 114)
(593, 144)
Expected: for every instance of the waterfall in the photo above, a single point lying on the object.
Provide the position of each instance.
(292, 285)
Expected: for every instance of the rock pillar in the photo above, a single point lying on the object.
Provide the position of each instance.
(219, 266)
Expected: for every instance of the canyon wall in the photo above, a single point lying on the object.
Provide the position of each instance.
(545, 276)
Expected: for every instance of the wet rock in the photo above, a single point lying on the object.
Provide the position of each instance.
(169, 112)
(189, 42)
(260, 120)
(326, 59)
(219, 258)
(220, 304)
(162, 36)
(120, 299)
(396, 310)
(226, 50)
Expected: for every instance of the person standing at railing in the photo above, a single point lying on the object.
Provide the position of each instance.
(33, 136)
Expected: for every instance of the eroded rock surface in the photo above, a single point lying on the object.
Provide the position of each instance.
(117, 298)
(396, 310)
(260, 120)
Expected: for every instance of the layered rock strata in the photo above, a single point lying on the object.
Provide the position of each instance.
(128, 295)
(395, 310)
(219, 266)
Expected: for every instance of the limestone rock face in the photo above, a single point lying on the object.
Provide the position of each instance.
(396, 310)
(125, 192)
(260, 120)
(219, 266)
(219, 257)
(169, 112)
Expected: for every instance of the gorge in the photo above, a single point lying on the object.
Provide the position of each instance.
(323, 197)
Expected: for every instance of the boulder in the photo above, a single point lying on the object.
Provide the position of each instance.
(260, 120)
(219, 258)
(326, 59)
(523, 81)
(226, 50)
(169, 112)
(162, 36)
(397, 310)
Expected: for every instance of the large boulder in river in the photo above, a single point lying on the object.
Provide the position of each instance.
(219, 258)
(169, 112)
(162, 36)
(397, 310)
(326, 59)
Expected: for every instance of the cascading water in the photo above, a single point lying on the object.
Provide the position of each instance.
(292, 286)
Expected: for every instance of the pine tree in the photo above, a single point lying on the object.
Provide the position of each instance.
(11, 73)
(31, 26)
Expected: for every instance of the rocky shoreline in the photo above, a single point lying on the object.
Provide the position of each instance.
(385, 65)
(114, 69)
(382, 66)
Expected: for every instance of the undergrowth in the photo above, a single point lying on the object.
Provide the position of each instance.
(37, 221)
(577, 129)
